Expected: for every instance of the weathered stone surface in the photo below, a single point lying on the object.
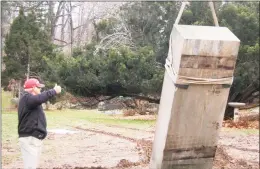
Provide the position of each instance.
(190, 117)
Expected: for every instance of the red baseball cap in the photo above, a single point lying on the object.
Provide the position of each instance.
(31, 83)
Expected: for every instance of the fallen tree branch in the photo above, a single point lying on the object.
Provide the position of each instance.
(249, 106)
(87, 104)
(92, 103)
(61, 41)
(149, 99)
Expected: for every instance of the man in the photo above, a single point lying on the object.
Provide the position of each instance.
(32, 121)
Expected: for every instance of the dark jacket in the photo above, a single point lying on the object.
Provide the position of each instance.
(31, 118)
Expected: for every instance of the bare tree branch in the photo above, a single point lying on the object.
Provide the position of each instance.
(79, 26)
(62, 15)
(60, 40)
(34, 7)
(59, 25)
(55, 19)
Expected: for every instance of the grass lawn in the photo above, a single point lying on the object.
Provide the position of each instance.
(62, 119)
(55, 119)
(66, 118)
(6, 99)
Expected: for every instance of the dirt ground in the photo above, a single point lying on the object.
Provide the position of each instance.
(114, 147)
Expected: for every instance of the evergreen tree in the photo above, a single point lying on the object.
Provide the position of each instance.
(25, 44)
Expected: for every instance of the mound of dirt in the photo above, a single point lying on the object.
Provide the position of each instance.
(145, 146)
(224, 161)
(70, 167)
(241, 124)
(125, 163)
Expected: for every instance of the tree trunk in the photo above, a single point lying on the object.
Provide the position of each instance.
(96, 31)
(79, 29)
(28, 63)
(71, 28)
(249, 106)
(245, 94)
(248, 92)
(28, 71)
(51, 20)
(19, 90)
(63, 25)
